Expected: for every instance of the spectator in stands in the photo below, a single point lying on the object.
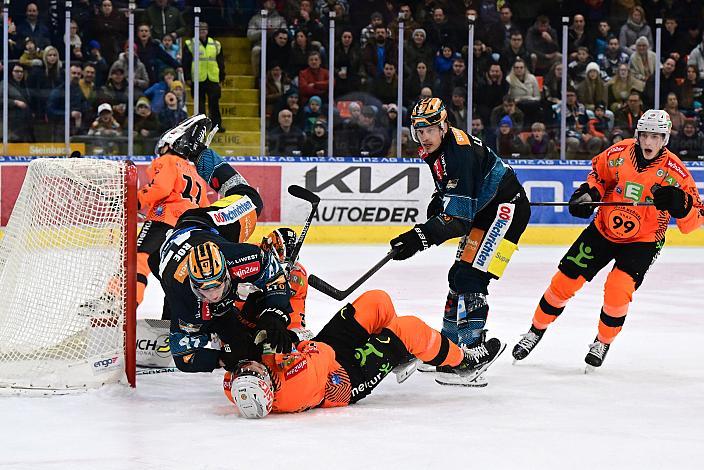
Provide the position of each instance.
(348, 64)
(598, 127)
(211, 73)
(179, 90)
(613, 57)
(33, 27)
(507, 108)
(409, 149)
(171, 114)
(317, 142)
(508, 144)
(109, 28)
(150, 54)
(552, 85)
(105, 125)
(31, 57)
(541, 40)
(692, 88)
(390, 120)
(165, 19)
(170, 47)
(676, 116)
(277, 83)
(76, 43)
(457, 110)
(457, 78)
(578, 138)
(386, 87)
(312, 112)
(627, 117)
(523, 87)
(539, 144)
(668, 84)
(636, 26)
(274, 23)
(324, 7)
(278, 51)
(146, 126)
(292, 103)
(689, 11)
(89, 89)
(378, 52)
(156, 92)
(642, 63)
(96, 59)
(483, 58)
(19, 101)
(421, 77)
(493, 88)
(576, 36)
(417, 50)
(444, 57)
(374, 140)
(577, 69)
(425, 92)
(43, 80)
(600, 43)
(674, 40)
(14, 43)
(696, 58)
(369, 32)
(515, 50)
(498, 34)
(689, 144)
(409, 23)
(313, 80)
(440, 31)
(307, 20)
(480, 132)
(593, 89)
(56, 109)
(114, 92)
(285, 138)
(620, 87)
(141, 76)
(300, 50)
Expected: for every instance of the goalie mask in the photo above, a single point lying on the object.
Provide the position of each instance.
(656, 121)
(188, 139)
(250, 388)
(281, 242)
(207, 272)
(428, 112)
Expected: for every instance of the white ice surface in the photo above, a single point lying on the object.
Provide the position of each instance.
(643, 409)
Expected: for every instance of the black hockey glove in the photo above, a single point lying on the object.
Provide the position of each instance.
(274, 322)
(673, 200)
(436, 206)
(578, 206)
(409, 243)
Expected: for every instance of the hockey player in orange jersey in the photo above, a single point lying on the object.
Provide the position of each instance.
(641, 169)
(350, 356)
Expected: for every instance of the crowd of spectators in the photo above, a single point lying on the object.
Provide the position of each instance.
(517, 72)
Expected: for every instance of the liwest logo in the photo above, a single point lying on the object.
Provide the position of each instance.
(232, 212)
(494, 236)
(618, 148)
(672, 165)
(245, 270)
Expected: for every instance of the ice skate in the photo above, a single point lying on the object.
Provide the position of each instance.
(527, 343)
(476, 360)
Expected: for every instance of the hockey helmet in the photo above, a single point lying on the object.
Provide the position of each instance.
(188, 139)
(654, 120)
(250, 388)
(281, 242)
(207, 272)
(428, 112)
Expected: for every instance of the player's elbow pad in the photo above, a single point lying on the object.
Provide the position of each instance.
(443, 227)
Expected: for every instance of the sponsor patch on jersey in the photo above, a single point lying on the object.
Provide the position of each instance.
(469, 252)
(633, 191)
(159, 210)
(616, 162)
(494, 235)
(452, 184)
(296, 369)
(612, 150)
(205, 311)
(181, 273)
(245, 270)
(233, 212)
(676, 167)
(460, 136)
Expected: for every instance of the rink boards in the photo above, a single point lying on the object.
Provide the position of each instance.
(370, 199)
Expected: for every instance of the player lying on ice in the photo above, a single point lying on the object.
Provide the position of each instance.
(350, 356)
(478, 198)
(634, 170)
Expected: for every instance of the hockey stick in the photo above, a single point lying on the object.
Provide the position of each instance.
(302, 193)
(156, 370)
(600, 203)
(337, 294)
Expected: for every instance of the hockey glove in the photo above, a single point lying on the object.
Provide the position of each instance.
(673, 200)
(578, 206)
(274, 322)
(436, 206)
(409, 243)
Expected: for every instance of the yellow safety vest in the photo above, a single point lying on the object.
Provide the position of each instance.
(208, 64)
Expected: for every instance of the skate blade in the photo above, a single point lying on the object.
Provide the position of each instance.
(424, 368)
(589, 369)
(455, 380)
(405, 370)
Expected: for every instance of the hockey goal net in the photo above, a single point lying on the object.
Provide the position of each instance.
(67, 274)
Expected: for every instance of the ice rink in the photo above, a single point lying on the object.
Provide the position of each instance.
(643, 409)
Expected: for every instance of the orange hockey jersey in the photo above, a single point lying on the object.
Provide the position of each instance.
(298, 281)
(617, 177)
(174, 187)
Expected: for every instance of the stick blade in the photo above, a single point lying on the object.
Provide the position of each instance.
(302, 193)
(318, 284)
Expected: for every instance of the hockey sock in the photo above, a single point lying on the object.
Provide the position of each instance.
(449, 319)
(424, 342)
(472, 310)
(558, 293)
(618, 293)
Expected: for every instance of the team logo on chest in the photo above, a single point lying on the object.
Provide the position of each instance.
(439, 168)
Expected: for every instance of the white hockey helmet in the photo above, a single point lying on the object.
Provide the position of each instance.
(189, 138)
(654, 120)
(249, 387)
